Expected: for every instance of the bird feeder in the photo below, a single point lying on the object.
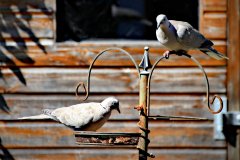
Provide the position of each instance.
(140, 140)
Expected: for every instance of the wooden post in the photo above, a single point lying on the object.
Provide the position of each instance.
(233, 74)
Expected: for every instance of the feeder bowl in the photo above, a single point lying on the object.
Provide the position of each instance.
(101, 138)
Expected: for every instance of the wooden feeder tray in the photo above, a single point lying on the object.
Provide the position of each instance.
(101, 138)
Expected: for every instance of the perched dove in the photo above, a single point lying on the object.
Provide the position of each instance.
(181, 36)
(83, 117)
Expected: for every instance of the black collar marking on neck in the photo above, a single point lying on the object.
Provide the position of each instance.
(102, 106)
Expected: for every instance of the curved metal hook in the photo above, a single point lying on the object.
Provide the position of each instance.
(91, 66)
(86, 91)
(208, 89)
(206, 82)
(149, 81)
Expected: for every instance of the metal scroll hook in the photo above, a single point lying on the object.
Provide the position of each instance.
(208, 90)
(87, 88)
(221, 104)
(209, 104)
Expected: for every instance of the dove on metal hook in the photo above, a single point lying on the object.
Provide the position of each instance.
(82, 117)
(181, 36)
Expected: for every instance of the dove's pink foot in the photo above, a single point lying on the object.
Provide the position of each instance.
(166, 54)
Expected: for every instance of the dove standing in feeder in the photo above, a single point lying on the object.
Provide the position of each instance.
(82, 117)
(181, 36)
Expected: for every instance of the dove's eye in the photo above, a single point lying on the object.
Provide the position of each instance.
(115, 104)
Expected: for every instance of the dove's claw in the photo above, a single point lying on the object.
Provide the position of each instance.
(181, 52)
(166, 54)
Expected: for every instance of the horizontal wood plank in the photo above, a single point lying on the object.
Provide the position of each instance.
(81, 55)
(214, 25)
(116, 154)
(64, 80)
(177, 105)
(163, 134)
(26, 26)
(214, 5)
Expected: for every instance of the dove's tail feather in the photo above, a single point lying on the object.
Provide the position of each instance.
(41, 116)
(214, 53)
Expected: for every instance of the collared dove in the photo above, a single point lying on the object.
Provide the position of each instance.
(82, 117)
(181, 36)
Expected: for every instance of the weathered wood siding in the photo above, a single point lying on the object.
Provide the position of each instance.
(37, 73)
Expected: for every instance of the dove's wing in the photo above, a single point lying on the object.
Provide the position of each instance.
(77, 115)
(189, 37)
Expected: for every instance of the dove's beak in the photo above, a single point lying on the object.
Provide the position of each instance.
(116, 106)
(159, 24)
(118, 109)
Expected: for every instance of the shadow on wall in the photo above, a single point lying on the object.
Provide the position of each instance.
(4, 153)
(14, 20)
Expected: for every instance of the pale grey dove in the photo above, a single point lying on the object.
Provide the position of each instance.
(82, 117)
(181, 36)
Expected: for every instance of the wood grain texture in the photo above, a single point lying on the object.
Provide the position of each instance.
(115, 154)
(80, 55)
(233, 73)
(214, 5)
(178, 105)
(26, 26)
(214, 26)
(64, 80)
(188, 134)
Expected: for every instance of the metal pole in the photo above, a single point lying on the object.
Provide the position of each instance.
(143, 120)
(143, 98)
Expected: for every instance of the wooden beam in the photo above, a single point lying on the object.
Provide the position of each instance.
(233, 73)
(161, 104)
(214, 5)
(115, 153)
(48, 134)
(81, 55)
(65, 80)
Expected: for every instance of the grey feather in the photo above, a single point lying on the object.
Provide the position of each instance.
(85, 116)
(213, 53)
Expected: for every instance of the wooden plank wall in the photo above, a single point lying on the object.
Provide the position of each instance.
(234, 69)
(37, 73)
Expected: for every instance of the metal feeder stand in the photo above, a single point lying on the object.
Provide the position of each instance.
(140, 139)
